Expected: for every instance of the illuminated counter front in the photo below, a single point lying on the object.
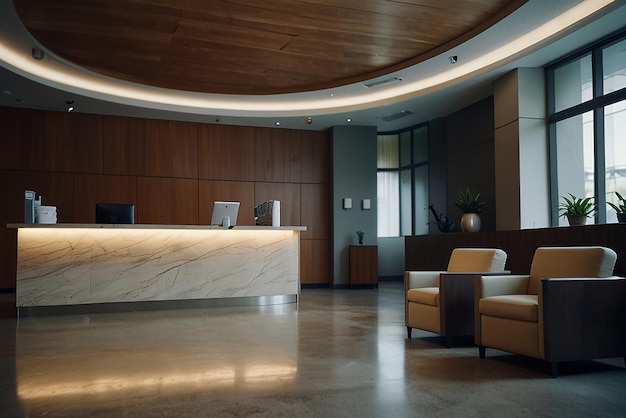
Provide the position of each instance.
(75, 268)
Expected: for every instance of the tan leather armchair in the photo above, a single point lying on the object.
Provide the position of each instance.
(443, 301)
(568, 308)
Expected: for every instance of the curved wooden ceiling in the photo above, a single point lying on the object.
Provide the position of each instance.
(254, 46)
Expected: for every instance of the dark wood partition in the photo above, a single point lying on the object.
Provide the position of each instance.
(172, 171)
(431, 252)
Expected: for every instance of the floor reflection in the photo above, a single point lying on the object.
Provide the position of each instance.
(153, 353)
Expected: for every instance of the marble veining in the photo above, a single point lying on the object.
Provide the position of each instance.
(67, 266)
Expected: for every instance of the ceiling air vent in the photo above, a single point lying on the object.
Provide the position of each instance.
(378, 83)
(395, 116)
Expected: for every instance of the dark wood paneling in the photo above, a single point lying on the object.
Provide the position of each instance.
(73, 142)
(315, 157)
(268, 47)
(289, 196)
(124, 147)
(212, 190)
(92, 189)
(269, 155)
(292, 145)
(431, 252)
(314, 261)
(172, 149)
(315, 217)
(224, 152)
(22, 139)
(166, 201)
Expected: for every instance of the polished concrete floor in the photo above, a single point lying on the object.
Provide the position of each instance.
(342, 353)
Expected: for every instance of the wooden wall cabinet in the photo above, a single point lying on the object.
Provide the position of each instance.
(364, 265)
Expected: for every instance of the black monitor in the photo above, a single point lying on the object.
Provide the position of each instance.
(115, 213)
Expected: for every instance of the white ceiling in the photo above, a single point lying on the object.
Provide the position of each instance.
(481, 60)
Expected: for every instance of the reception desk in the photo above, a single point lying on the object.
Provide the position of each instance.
(75, 268)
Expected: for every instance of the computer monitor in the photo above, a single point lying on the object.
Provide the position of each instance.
(115, 213)
(225, 213)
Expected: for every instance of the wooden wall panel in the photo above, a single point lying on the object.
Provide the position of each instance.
(124, 146)
(73, 142)
(269, 155)
(172, 149)
(167, 201)
(289, 196)
(22, 139)
(292, 156)
(314, 261)
(212, 190)
(91, 189)
(313, 216)
(224, 152)
(315, 157)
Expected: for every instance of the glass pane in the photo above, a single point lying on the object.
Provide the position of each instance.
(387, 151)
(575, 158)
(420, 145)
(406, 222)
(614, 67)
(573, 83)
(405, 149)
(388, 204)
(615, 147)
(421, 200)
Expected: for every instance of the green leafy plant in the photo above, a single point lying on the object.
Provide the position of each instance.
(360, 235)
(469, 201)
(621, 205)
(575, 206)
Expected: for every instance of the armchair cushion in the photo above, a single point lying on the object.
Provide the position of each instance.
(519, 307)
(563, 262)
(424, 295)
(476, 260)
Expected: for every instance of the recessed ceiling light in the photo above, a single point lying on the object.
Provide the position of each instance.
(277, 123)
(349, 120)
(453, 59)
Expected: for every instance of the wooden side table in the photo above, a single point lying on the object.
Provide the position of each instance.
(364, 265)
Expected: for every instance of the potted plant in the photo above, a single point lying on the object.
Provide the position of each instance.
(360, 235)
(471, 205)
(620, 208)
(443, 222)
(577, 210)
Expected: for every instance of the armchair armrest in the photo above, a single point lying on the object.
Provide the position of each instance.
(495, 285)
(583, 318)
(485, 286)
(417, 279)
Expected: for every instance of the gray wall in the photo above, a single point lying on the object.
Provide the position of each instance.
(354, 176)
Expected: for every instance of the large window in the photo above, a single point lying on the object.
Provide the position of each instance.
(403, 182)
(587, 115)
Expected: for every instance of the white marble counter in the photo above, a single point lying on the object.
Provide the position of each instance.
(83, 264)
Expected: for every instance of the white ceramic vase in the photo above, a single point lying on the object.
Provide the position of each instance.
(470, 222)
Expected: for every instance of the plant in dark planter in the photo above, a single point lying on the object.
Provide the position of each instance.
(577, 210)
(469, 202)
(360, 235)
(443, 222)
(620, 208)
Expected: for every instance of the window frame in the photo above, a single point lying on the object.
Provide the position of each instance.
(596, 105)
